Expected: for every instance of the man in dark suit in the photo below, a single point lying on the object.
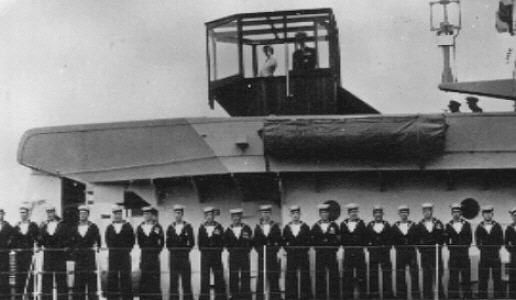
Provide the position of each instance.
(304, 58)
(297, 242)
(151, 240)
(489, 237)
(238, 239)
(24, 238)
(431, 238)
(268, 234)
(180, 240)
(211, 244)
(354, 239)
(510, 245)
(85, 239)
(380, 244)
(405, 238)
(458, 238)
(6, 232)
(54, 237)
(326, 240)
(120, 240)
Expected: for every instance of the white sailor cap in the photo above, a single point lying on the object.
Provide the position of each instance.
(116, 208)
(487, 208)
(323, 207)
(513, 211)
(352, 207)
(295, 208)
(24, 207)
(50, 208)
(147, 209)
(427, 205)
(377, 208)
(179, 208)
(403, 208)
(265, 207)
(456, 207)
(209, 209)
(236, 211)
(84, 208)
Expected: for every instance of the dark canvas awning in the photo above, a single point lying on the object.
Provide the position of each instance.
(370, 137)
(501, 88)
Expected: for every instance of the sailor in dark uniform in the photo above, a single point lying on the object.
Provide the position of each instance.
(85, 240)
(431, 235)
(54, 237)
(6, 232)
(268, 234)
(296, 235)
(120, 240)
(151, 240)
(304, 58)
(180, 240)
(354, 239)
(238, 239)
(326, 240)
(489, 238)
(211, 244)
(510, 244)
(24, 238)
(458, 238)
(380, 244)
(404, 238)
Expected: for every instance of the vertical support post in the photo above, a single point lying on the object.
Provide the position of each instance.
(265, 294)
(255, 62)
(99, 280)
(436, 292)
(316, 43)
(54, 287)
(287, 56)
(240, 48)
(214, 55)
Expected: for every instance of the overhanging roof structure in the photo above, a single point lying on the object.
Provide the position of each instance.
(501, 88)
(125, 151)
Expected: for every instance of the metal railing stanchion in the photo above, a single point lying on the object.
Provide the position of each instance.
(265, 294)
(436, 290)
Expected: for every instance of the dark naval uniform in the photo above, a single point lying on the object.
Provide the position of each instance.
(55, 238)
(6, 232)
(326, 235)
(84, 238)
(180, 240)
(489, 238)
(120, 240)
(211, 244)
(428, 239)
(380, 242)
(239, 245)
(268, 235)
(354, 237)
(404, 242)
(458, 239)
(23, 239)
(297, 243)
(151, 240)
(510, 244)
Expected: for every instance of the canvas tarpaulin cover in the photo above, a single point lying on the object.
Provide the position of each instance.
(371, 137)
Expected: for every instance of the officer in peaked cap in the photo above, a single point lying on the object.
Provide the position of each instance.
(380, 243)
(23, 240)
(297, 239)
(473, 104)
(404, 237)
(180, 240)
(459, 238)
(510, 245)
(489, 238)
(354, 239)
(120, 240)
(454, 106)
(267, 234)
(211, 244)
(151, 239)
(54, 237)
(430, 233)
(238, 241)
(85, 238)
(326, 240)
(6, 232)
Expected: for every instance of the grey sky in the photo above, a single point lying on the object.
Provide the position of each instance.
(83, 61)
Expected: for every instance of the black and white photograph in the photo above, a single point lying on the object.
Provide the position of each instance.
(257, 150)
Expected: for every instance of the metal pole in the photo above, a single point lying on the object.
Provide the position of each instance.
(436, 293)
(54, 288)
(99, 281)
(265, 294)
